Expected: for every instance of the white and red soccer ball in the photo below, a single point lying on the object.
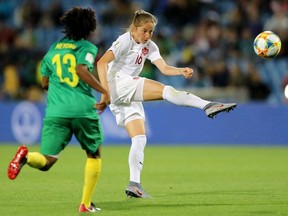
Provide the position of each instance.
(267, 44)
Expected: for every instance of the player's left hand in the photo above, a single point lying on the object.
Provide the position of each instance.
(187, 72)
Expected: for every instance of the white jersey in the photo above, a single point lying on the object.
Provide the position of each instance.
(126, 88)
(130, 56)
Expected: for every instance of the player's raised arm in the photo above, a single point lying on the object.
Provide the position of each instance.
(172, 71)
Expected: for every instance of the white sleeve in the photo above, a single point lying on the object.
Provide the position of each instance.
(120, 47)
(154, 53)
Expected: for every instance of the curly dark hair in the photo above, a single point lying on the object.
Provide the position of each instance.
(78, 23)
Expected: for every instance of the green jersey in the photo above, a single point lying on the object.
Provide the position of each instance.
(68, 96)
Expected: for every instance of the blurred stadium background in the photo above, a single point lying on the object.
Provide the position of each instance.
(213, 37)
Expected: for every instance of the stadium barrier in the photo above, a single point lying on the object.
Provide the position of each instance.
(248, 124)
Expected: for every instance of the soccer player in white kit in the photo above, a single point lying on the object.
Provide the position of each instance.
(119, 70)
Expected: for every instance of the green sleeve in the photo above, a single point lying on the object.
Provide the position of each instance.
(44, 69)
(86, 55)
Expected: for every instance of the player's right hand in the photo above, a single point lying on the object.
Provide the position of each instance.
(104, 102)
(100, 107)
(187, 72)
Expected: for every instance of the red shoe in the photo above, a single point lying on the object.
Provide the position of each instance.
(92, 208)
(17, 162)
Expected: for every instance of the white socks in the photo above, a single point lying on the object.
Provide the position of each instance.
(183, 98)
(136, 157)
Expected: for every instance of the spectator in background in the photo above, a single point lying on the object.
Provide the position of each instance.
(237, 77)
(186, 12)
(118, 14)
(11, 82)
(7, 37)
(278, 21)
(220, 74)
(257, 89)
(55, 11)
(210, 29)
(28, 14)
(200, 79)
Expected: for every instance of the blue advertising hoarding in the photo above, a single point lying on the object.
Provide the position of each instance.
(248, 124)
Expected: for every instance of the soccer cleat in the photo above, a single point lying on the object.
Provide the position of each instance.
(92, 208)
(135, 190)
(213, 108)
(17, 162)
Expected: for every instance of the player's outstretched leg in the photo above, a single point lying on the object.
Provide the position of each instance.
(184, 98)
(17, 162)
(92, 208)
(214, 108)
(135, 190)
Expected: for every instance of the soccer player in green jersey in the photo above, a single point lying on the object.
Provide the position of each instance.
(66, 74)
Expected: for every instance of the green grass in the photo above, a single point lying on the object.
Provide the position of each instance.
(189, 180)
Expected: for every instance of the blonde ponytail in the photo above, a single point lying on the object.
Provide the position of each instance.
(140, 17)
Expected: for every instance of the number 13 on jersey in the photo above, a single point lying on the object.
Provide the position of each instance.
(69, 61)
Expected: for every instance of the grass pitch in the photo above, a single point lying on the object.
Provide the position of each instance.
(190, 180)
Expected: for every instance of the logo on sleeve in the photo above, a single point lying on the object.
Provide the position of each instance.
(117, 44)
(89, 57)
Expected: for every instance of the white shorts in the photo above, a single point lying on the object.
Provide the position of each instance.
(127, 113)
(124, 88)
(126, 98)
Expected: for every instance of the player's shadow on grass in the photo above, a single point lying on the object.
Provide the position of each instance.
(157, 201)
(132, 203)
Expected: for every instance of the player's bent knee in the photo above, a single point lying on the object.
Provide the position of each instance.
(50, 161)
(96, 155)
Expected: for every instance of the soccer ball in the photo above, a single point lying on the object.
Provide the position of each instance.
(267, 44)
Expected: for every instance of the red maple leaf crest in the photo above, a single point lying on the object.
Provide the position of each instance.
(145, 50)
